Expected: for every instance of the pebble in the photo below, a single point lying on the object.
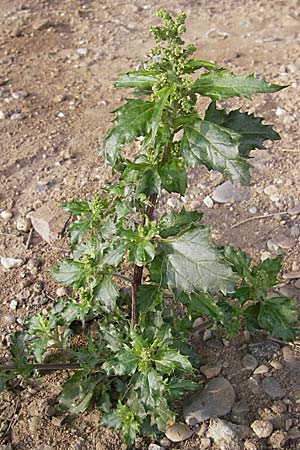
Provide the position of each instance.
(165, 442)
(289, 358)
(249, 362)
(13, 305)
(291, 275)
(178, 432)
(11, 263)
(294, 211)
(17, 116)
(155, 447)
(263, 349)
(83, 51)
(260, 370)
(48, 221)
(271, 190)
(61, 292)
(2, 115)
(210, 371)
(226, 435)
(262, 428)
(19, 94)
(23, 224)
(272, 246)
(205, 443)
(273, 388)
(252, 210)
(240, 412)
(227, 193)
(207, 335)
(215, 399)
(59, 98)
(294, 433)
(6, 215)
(250, 445)
(278, 439)
(284, 242)
(295, 231)
(208, 201)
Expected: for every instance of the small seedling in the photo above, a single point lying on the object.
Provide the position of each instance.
(137, 284)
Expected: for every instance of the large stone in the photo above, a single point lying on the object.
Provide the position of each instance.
(214, 400)
(226, 435)
(11, 263)
(178, 432)
(273, 388)
(263, 349)
(228, 193)
(49, 221)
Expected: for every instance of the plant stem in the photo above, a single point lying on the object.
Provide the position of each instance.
(138, 271)
(42, 367)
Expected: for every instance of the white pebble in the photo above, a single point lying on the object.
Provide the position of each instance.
(208, 201)
(6, 215)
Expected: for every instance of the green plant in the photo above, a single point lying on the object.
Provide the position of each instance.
(137, 358)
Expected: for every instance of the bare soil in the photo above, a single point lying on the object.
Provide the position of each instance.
(65, 55)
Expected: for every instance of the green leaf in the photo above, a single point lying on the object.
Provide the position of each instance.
(76, 207)
(238, 259)
(265, 274)
(219, 84)
(167, 360)
(115, 253)
(142, 253)
(4, 378)
(173, 176)
(67, 272)
(175, 222)
(107, 294)
(216, 147)
(193, 264)
(144, 177)
(78, 392)
(163, 96)
(124, 363)
(149, 297)
(201, 303)
(137, 79)
(252, 131)
(278, 315)
(195, 64)
(177, 386)
(150, 386)
(132, 120)
(77, 231)
(19, 353)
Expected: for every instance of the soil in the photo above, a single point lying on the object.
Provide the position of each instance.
(65, 56)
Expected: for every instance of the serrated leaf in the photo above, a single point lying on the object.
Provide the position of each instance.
(167, 360)
(216, 147)
(144, 176)
(107, 294)
(278, 315)
(195, 64)
(141, 253)
(76, 207)
(265, 273)
(77, 231)
(252, 131)
(219, 84)
(132, 120)
(77, 392)
(114, 254)
(175, 222)
(19, 353)
(112, 337)
(67, 272)
(239, 260)
(148, 298)
(124, 363)
(173, 176)
(201, 303)
(177, 386)
(193, 264)
(137, 79)
(163, 96)
(150, 386)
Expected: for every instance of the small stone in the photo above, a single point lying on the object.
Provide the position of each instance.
(23, 224)
(11, 263)
(247, 336)
(210, 371)
(278, 439)
(215, 399)
(13, 305)
(250, 445)
(295, 231)
(271, 190)
(252, 210)
(59, 98)
(17, 116)
(205, 443)
(83, 51)
(155, 447)
(294, 211)
(19, 94)
(280, 112)
(288, 424)
(262, 428)
(208, 202)
(272, 246)
(291, 275)
(279, 407)
(61, 114)
(178, 432)
(165, 442)
(61, 292)
(276, 365)
(240, 412)
(284, 242)
(6, 215)
(215, 178)
(226, 435)
(289, 358)
(260, 370)
(49, 221)
(2, 115)
(207, 335)
(249, 362)
(227, 193)
(294, 433)
(273, 388)
(263, 349)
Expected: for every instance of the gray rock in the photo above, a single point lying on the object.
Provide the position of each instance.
(215, 399)
(249, 362)
(272, 246)
(261, 369)
(6, 215)
(23, 224)
(284, 242)
(82, 51)
(19, 94)
(11, 263)
(262, 428)
(294, 211)
(208, 202)
(210, 371)
(2, 115)
(252, 210)
(227, 193)
(295, 231)
(263, 349)
(273, 388)
(17, 116)
(155, 447)
(271, 190)
(240, 412)
(278, 439)
(49, 221)
(178, 432)
(291, 275)
(226, 435)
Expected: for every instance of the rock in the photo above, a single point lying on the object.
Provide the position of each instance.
(208, 202)
(279, 407)
(295, 231)
(11, 263)
(49, 221)
(289, 358)
(23, 224)
(13, 305)
(249, 362)
(59, 98)
(178, 432)
(273, 388)
(250, 445)
(291, 275)
(227, 193)
(215, 178)
(17, 116)
(6, 215)
(205, 443)
(165, 442)
(83, 51)
(240, 412)
(252, 210)
(226, 435)
(294, 211)
(210, 371)
(19, 94)
(271, 190)
(2, 115)
(260, 370)
(207, 335)
(263, 349)
(284, 242)
(61, 292)
(155, 447)
(278, 439)
(215, 399)
(262, 428)
(294, 433)
(272, 246)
